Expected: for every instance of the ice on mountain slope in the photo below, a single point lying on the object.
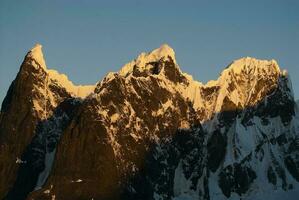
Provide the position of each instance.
(180, 184)
(264, 153)
(48, 134)
(36, 55)
(49, 160)
(242, 139)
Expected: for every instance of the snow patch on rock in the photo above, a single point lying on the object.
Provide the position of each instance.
(49, 159)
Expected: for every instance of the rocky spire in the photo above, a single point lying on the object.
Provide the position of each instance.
(141, 128)
(36, 55)
(34, 67)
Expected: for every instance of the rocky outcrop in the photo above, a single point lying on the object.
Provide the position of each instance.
(152, 132)
(25, 104)
(32, 97)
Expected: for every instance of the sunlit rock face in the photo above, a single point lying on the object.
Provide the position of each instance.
(150, 131)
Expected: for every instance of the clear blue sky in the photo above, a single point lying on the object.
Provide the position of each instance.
(87, 39)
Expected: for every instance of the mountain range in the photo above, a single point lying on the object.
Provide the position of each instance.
(150, 132)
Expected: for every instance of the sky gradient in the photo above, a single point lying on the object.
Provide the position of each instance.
(88, 39)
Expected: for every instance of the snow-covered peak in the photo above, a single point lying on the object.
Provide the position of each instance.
(245, 82)
(35, 58)
(164, 52)
(249, 65)
(36, 54)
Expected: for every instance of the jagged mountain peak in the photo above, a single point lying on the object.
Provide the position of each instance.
(149, 131)
(163, 50)
(249, 65)
(41, 73)
(244, 83)
(247, 81)
(36, 54)
(144, 60)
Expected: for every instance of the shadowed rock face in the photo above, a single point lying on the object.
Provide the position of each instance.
(43, 144)
(150, 132)
(19, 116)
